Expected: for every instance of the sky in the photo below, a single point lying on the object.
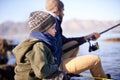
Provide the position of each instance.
(19, 10)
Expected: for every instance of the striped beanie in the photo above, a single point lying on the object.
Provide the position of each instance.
(40, 21)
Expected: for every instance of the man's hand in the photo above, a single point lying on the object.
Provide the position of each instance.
(93, 36)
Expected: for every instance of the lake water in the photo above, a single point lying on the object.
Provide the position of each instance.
(109, 52)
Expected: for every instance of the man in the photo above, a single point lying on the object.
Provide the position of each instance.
(68, 47)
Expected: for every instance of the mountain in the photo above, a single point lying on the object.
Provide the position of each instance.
(87, 26)
(13, 30)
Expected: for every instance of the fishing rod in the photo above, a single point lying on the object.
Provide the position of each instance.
(109, 29)
(93, 47)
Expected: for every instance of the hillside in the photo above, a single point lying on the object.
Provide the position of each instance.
(13, 30)
(87, 26)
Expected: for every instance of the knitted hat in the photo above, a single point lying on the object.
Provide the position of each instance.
(40, 21)
(54, 5)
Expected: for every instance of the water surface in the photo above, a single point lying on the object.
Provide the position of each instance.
(109, 52)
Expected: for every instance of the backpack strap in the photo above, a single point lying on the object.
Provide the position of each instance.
(30, 48)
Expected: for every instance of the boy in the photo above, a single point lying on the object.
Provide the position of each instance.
(34, 56)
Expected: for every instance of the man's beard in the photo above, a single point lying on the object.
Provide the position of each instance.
(61, 18)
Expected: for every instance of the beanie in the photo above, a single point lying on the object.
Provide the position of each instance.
(54, 5)
(40, 21)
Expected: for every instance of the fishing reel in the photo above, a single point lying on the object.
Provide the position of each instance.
(93, 47)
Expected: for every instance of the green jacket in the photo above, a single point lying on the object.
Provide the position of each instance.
(34, 58)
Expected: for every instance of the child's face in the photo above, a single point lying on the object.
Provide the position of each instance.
(52, 30)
